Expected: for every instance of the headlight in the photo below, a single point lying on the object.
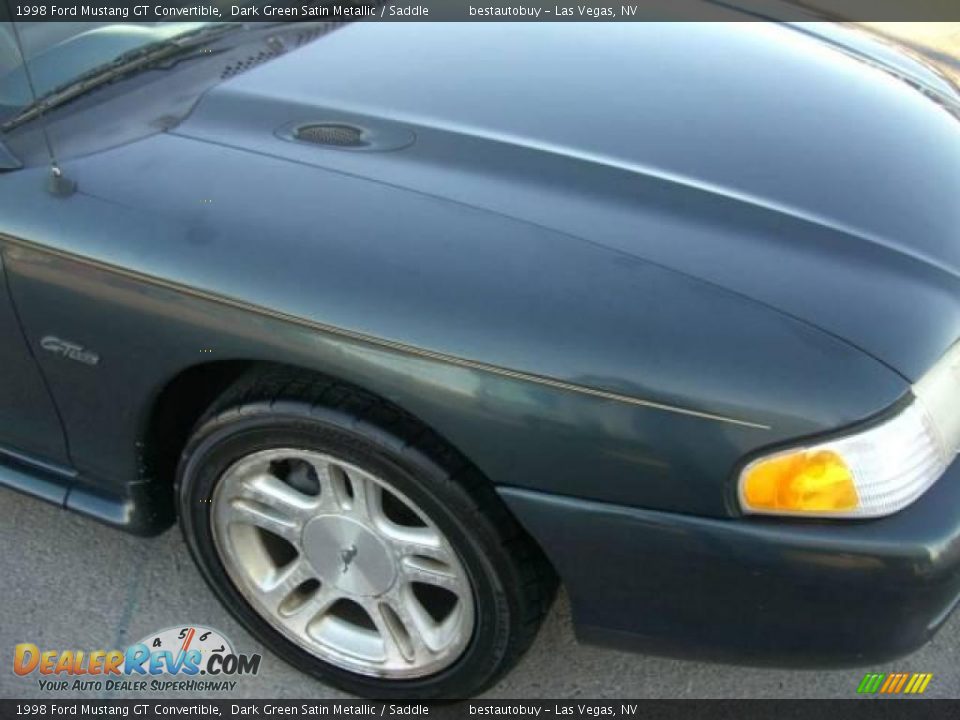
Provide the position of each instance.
(871, 473)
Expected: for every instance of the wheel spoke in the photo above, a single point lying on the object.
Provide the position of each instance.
(426, 558)
(431, 572)
(367, 497)
(264, 517)
(312, 608)
(284, 582)
(351, 493)
(335, 488)
(416, 542)
(269, 503)
(275, 492)
(401, 635)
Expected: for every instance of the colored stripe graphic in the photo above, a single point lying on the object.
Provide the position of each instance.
(890, 682)
(894, 683)
(922, 685)
(871, 682)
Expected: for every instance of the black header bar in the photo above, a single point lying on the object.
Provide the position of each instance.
(205, 709)
(479, 10)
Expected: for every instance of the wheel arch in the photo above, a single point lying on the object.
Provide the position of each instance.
(186, 398)
(172, 412)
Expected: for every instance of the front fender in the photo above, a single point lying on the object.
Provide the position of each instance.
(553, 363)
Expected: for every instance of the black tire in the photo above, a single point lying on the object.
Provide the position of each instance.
(513, 583)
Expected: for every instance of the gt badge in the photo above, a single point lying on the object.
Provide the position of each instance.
(69, 350)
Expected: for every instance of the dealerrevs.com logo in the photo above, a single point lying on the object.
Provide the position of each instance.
(187, 658)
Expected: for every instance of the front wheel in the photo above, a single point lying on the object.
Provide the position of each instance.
(384, 566)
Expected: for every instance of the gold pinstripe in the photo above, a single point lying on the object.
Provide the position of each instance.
(380, 342)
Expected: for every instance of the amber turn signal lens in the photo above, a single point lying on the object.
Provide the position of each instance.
(802, 481)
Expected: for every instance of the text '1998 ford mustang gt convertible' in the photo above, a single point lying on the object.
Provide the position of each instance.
(405, 324)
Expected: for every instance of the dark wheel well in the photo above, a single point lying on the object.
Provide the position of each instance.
(174, 412)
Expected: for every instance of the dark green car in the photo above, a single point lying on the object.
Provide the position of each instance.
(405, 323)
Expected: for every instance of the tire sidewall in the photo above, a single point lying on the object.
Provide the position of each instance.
(221, 442)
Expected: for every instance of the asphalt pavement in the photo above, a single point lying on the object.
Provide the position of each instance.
(69, 583)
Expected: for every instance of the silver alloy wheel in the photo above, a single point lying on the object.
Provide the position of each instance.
(342, 563)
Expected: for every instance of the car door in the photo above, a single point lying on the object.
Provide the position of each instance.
(29, 424)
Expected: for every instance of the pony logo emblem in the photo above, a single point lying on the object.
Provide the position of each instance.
(346, 557)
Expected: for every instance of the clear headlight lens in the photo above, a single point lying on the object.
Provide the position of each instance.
(875, 472)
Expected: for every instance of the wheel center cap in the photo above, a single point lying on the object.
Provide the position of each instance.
(349, 555)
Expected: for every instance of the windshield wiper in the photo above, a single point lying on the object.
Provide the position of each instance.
(129, 63)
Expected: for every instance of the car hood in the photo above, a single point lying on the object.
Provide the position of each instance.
(775, 164)
(887, 54)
